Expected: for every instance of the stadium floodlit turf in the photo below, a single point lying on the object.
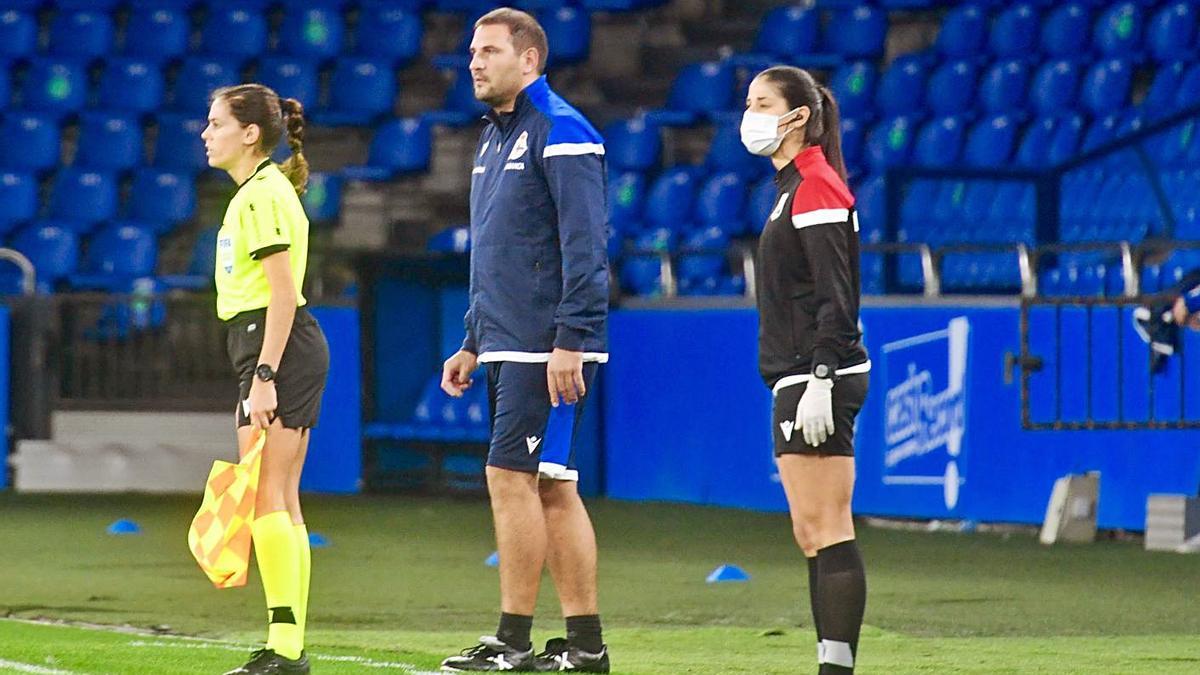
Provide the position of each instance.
(403, 584)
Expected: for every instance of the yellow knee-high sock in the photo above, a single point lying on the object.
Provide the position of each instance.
(279, 566)
(305, 575)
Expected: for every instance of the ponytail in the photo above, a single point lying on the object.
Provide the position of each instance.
(296, 166)
(830, 137)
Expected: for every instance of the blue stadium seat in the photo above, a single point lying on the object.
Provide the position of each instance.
(762, 203)
(1119, 30)
(201, 266)
(1054, 87)
(963, 31)
(569, 34)
(247, 5)
(859, 33)
(83, 195)
(952, 87)
(116, 254)
(726, 153)
(1106, 86)
(889, 143)
(1188, 91)
(703, 254)
(18, 34)
(18, 199)
(156, 34)
(83, 35)
(177, 5)
(853, 86)
(702, 88)
(1101, 131)
(198, 78)
(460, 106)
(1065, 30)
(1004, 86)
(915, 221)
(53, 250)
(871, 206)
(311, 32)
(642, 275)
(1172, 32)
(632, 145)
(5, 86)
(659, 239)
(399, 147)
(901, 87)
(854, 133)
(1033, 152)
(290, 78)
(1015, 32)
(159, 196)
(131, 85)
(672, 198)
(323, 198)
(57, 86)
(939, 142)
(234, 33)
(108, 141)
(178, 146)
(361, 91)
(990, 141)
(616, 245)
(453, 239)
(786, 32)
(721, 203)
(389, 33)
(1160, 97)
(626, 199)
(29, 141)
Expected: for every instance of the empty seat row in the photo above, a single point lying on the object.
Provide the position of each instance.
(84, 198)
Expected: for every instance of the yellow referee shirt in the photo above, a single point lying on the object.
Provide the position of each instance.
(264, 217)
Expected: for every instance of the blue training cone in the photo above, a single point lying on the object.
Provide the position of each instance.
(124, 526)
(317, 540)
(493, 560)
(727, 573)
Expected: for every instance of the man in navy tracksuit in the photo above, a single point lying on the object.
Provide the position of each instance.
(537, 314)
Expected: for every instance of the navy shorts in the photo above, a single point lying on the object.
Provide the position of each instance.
(528, 434)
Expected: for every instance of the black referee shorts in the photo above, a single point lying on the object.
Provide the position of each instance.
(849, 393)
(300, 378)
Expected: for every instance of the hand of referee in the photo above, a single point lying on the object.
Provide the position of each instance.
(263, 401)
(564, 377)
(456, 372)
(814, 414)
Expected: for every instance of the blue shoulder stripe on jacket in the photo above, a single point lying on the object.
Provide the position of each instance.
(570, 132)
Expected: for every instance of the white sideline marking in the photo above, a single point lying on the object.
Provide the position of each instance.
(229, 647)
(30, 668)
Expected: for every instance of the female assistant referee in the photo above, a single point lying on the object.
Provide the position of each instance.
(810, 347)
(276, 346)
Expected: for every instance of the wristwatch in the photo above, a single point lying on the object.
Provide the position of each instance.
(264, 372)
(822, 371)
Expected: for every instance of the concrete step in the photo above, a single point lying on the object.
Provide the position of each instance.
(51, 466)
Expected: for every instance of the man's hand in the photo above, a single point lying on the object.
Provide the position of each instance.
(456, 372)
(814, 413)
(564, 377)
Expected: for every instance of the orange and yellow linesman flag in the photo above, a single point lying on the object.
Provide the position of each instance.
(220, 534)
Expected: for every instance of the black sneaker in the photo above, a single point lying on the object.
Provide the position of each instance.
(560, 655)
(267, 662)
(491, 653)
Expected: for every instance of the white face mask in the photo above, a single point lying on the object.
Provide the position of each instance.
(760, 131)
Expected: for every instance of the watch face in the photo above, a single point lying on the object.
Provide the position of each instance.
(265, 373)
(821, 371)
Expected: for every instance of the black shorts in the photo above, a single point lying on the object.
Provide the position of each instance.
(849, 393)
(300, 378)
(528, 434)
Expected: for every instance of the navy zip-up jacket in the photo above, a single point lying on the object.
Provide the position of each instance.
(539, 261)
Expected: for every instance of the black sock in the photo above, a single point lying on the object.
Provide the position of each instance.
(812, 595)
(584, 632)
(841, 599)
(514, 630)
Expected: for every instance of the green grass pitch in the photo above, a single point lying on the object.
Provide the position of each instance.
(403, 584)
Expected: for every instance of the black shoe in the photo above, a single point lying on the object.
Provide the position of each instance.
(491, 653)
(560, 655)
(267, 662)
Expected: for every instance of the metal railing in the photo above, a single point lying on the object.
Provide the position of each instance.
(133, 351)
